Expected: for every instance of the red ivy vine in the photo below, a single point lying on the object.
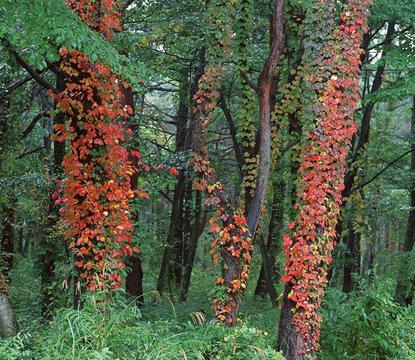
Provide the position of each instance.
(232, 240)
(96, 189)
(308, 247)
(100, 15)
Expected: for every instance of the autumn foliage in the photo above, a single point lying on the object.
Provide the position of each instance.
(309, 245)
(232, 241)
(95, 191)
(101, 15)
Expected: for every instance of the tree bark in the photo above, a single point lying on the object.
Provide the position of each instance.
(269, 274)
(50, 241)
(196, 231)
(174, 243)
(401, 291)
(253, 206)
(8, 322)
(7, 243)
(288, 337)
(265, 103)
(134, 279)
(352, 265)
(174, 233)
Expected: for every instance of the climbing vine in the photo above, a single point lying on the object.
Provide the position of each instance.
(309, 245)
(102, 16)
(95, 192)
(248, 104)
(232, 240)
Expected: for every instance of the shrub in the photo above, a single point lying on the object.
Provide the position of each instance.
(366, 325)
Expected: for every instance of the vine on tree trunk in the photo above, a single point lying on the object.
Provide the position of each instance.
(309, 245)
(233, 241)
(95, 192)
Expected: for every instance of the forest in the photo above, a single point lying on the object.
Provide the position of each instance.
(207, 179)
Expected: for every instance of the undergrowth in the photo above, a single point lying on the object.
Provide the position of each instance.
(120, 332)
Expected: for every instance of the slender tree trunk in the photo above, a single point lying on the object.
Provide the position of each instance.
(188, 242)
(253, 206)
(134, 278)
(8, 322)
(352, 265)
(21, 240)
(176, 245)
(50, 242)
(7, 243)
(368, 256)
(174, 233)
(266, 98)
(402, 295)
(268, 277)
(196, 230)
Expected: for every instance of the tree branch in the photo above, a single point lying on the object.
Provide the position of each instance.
(277, 38)
(35, 74)
(34, 122)
(232, 129)
(14, 86)
(25, 152)
(384, 169)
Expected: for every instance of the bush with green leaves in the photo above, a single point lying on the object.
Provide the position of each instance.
(367, 325)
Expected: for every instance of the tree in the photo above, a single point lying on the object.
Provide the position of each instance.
(308, 248)
(96, 187)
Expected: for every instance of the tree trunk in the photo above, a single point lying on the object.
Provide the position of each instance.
(364, 130)
(49, 239)
(196, 231)
(175, 245)
(289, 340)
(7, 244)
(367, 263)
(352, 265)
(402, 295)
(268, 277)
(175, 232)
(231, 267)
(299, 327)
(8, 323)
(266, 98)
(134, 280)
(21, 240)
(189, 245)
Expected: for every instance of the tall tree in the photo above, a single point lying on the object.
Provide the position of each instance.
(308, 248)
(96, 186)
(402, 294)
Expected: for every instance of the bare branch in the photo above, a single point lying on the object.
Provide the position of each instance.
(17, 84)
(34, 122)
(26, 152)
